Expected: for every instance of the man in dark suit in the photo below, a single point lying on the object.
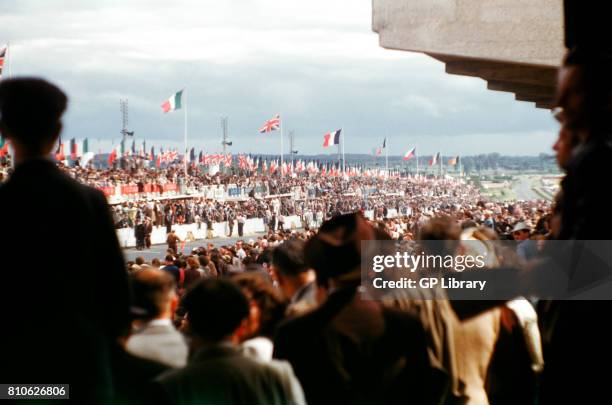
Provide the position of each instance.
(69, 306)
(140, 232)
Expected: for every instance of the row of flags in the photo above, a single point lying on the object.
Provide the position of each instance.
(330, 138)
(435, 159)
(176, 102)
(78, 149)
(159, 158)
(74, 152)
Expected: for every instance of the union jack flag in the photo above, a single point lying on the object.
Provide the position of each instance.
(271, 125)
(228, 160)
(242, 162)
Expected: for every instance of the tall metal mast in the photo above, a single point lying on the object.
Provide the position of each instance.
(292, 145)
(224, 131)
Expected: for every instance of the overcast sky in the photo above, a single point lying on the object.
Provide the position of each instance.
(315, 62)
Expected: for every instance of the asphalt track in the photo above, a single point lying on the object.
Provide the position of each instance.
(524, 189)
(159, 251)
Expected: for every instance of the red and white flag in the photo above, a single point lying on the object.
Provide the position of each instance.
(272, 167)
(4, 150)
(242, 163)
(59, 152)
(228, 160)
(434, 159)
(410, 154)
(112, 156)
(270, 125)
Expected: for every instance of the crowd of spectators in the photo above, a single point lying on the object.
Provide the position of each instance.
(283, 318)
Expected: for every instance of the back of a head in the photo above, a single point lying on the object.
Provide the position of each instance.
(265, 257)
(268, 298)
(31, 110)
(440, 236)
(152, 290)
(215, 308)
(335, 250)
(288, 258)
(193, 262)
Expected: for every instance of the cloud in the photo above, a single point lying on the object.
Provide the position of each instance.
(317, 63)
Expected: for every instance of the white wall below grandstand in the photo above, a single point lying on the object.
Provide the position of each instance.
(252, 226)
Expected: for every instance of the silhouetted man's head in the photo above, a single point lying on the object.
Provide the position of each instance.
(30, 114)
(215, 309)
(335, 252)
(584, 93)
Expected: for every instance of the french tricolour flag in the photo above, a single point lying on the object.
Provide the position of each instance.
(335, 135)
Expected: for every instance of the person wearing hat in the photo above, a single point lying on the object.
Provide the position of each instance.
(526, 248)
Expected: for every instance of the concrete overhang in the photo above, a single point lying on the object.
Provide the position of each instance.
(515, 45)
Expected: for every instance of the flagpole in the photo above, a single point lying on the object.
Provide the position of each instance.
(343, 134)
(416, 153)
(185, 128)
(386, 156)
(9, 56)
(281, 147)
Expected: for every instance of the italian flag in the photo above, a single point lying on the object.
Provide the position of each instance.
(173, 103)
